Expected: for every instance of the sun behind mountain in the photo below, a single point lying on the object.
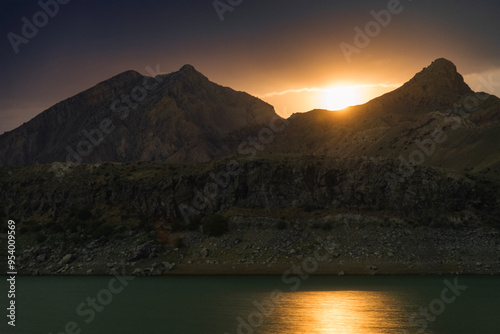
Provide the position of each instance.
(340, 97)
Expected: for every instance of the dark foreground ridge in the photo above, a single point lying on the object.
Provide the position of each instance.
(268, 214)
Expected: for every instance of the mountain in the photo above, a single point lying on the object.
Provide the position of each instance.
(367, 180)
(436, 87)
(175, 117)
(434, 119)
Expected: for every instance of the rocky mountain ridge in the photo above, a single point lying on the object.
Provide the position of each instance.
(180, 116)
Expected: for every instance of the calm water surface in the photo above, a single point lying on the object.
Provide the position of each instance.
(317, 305)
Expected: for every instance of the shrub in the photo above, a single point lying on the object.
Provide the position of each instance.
(194, 223)
(216, 226)
(178, 242)
(310, 208)
(317, 226)
(281, 225)
(41, 238)
(93, 225)
(327, 226)
(37, 227)
(75, 238)
(121, 229)
(84, 214)
(73, 225)
(56, 228)
(145, 223)
(177, 225)
(24, 230)
(103, 231)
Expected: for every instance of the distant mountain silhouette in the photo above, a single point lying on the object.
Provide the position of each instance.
(434, 113)
(436, 87)
(434, 119)
(178, 117)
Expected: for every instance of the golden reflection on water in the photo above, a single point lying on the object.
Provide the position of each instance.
(345, 312)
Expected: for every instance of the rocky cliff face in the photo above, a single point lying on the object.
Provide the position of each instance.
(180, 116)
(177, 192)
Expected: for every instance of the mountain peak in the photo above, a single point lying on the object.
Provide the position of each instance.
(437, 87)
(188, 68)
(440, 77)
(188, 72)
(442, 65)
(124, 76)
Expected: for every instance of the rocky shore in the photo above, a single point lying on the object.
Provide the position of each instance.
(340, 244)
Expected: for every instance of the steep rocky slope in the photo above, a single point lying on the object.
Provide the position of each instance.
(435, 119)
(180, 116)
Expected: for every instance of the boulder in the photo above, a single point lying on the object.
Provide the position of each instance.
(68, 258)
(138, 272)
(142, 251)
(204, 253)
(168, 266)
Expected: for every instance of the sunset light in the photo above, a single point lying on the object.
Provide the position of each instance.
(245, 167)
(340, 97)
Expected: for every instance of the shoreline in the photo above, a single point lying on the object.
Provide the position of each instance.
(255, 246)
(355, 269)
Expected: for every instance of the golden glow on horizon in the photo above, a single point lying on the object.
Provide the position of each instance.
(333, 97)
(340, 97)
(339, 312)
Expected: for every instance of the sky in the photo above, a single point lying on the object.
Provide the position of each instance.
(297, 55)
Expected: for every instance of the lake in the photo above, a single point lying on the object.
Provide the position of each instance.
(209, 305)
